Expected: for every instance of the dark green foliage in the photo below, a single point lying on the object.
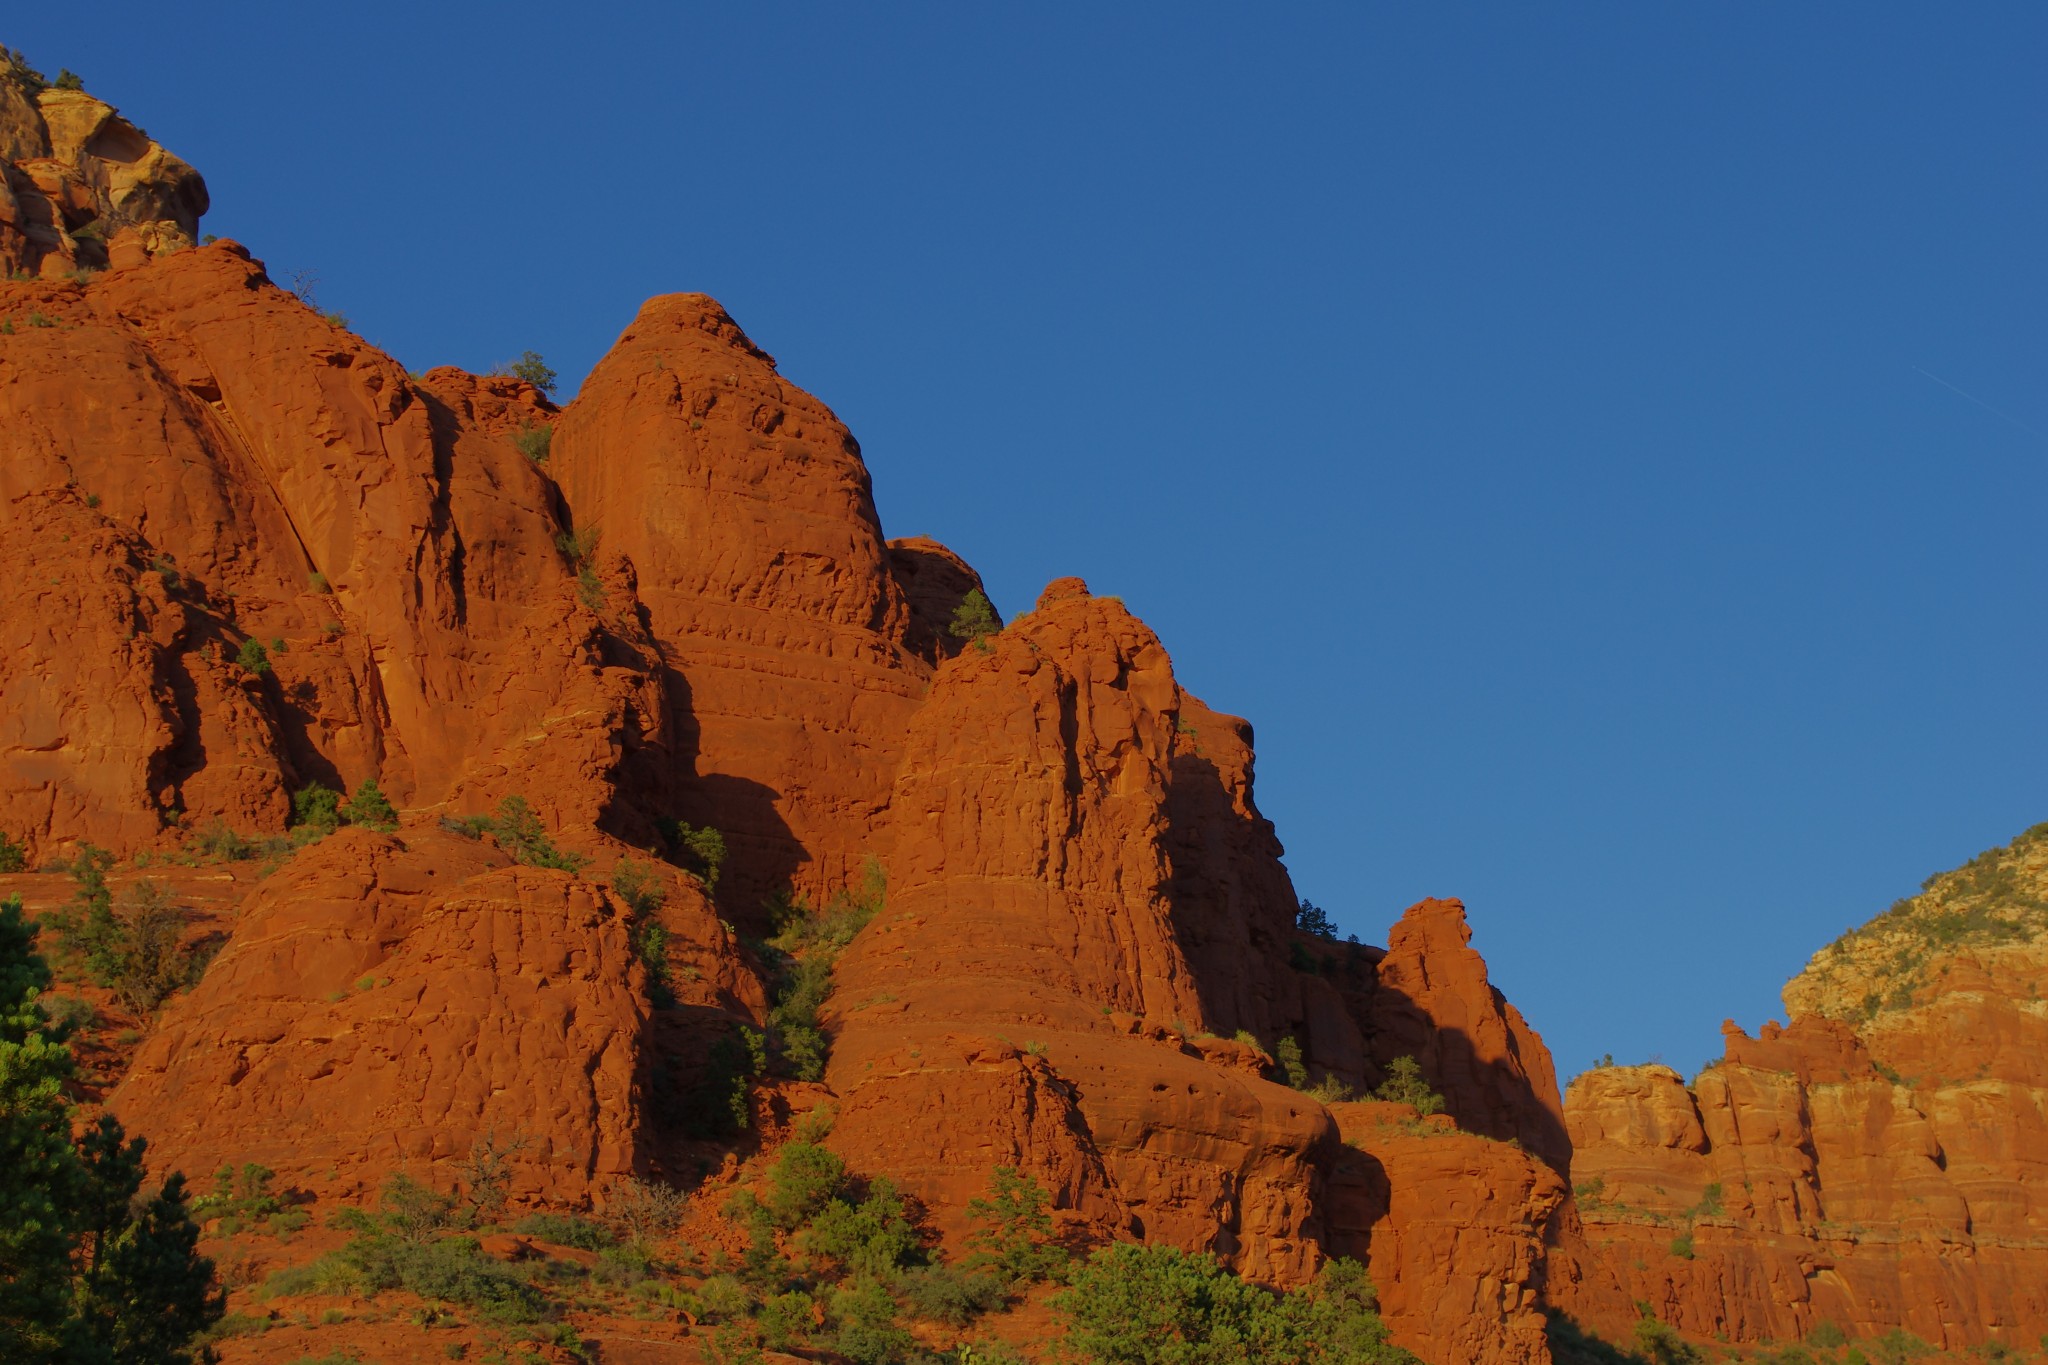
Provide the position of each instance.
(564, 1230)
(1660, 1345)
(521, 834)
(92, 1270)
(717, 1107)
(219, 843)
(1826, 1335)
(975, 619)
(1013, 1232)
(533, 370)
(138, 952)
(808, 944)
(872, 1237)
(68, 79)
(644, 892)
(1898, 1346)
(1405, 1085)
(1288, 1054)
(253, 657)
(13, 857)
(700, 848)
(1571, 1344)
(1301, 959)
(1681, 1246)
(533, 441)
(1315, 920)
(14, 66)
(403, 1246)
(868, 1333)
(948, 1294)
(1156, 1305)
(578, 547)
(369, 807)
(317, 809)
(804, 1177)
(23, 973)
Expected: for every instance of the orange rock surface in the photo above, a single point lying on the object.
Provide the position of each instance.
(671, 600)
(1819, 1180)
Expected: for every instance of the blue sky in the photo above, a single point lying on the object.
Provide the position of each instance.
(1538, 422)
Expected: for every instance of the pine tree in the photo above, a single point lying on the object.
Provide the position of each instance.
(90, 1274)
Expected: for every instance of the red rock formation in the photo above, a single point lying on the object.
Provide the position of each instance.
(273, 478)
(1451, 1226)
(1817, 1180)
(744, 505)
(1028, 978)
(80, 185)
(1433, 1002)
(386, 1000)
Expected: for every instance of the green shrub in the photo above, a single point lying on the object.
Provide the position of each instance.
(868, 1333)
(533, 370)
(1315, 920)
(13, 857)
(808, 944)
(1404, 1085)
(369, 807)
(951, 1295)
(1681, 1246)
(702, 849)
(578, 547)
(1013, 1232)
(91, 1268)
(872, 1237)
(786, 1320)
(68, 1014)
(804, 1177)
(717, 1106)
(217, 843)
(1660, 1345)
(403, 1246)
(1827, 1336)
(253, 658)
(138, 952)
(317, 809)
(68, 79)
(975, 619)
(14, 66)
(533, 441)
(521, 833)
(1288, 1055)
(725, 1298)
(1897, 1347)
(1139, 1305)
(566, 1230)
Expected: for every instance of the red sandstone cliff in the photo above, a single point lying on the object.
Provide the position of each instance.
(1088, 959)
(1880, 1163)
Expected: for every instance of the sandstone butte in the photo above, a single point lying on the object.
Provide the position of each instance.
(1087, 958)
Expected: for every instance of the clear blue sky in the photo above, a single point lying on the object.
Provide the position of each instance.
(1536, 419)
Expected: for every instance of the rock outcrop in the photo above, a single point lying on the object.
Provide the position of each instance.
(1029, 977)
(80, 186)
(1880, 1163)
(270, 478)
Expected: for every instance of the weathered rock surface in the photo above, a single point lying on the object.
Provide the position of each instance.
(81, 187)
(1882, 1162)
(388, 999)
(1028, 978)
(270, 477)
(744, 505)
(1452, 1227)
